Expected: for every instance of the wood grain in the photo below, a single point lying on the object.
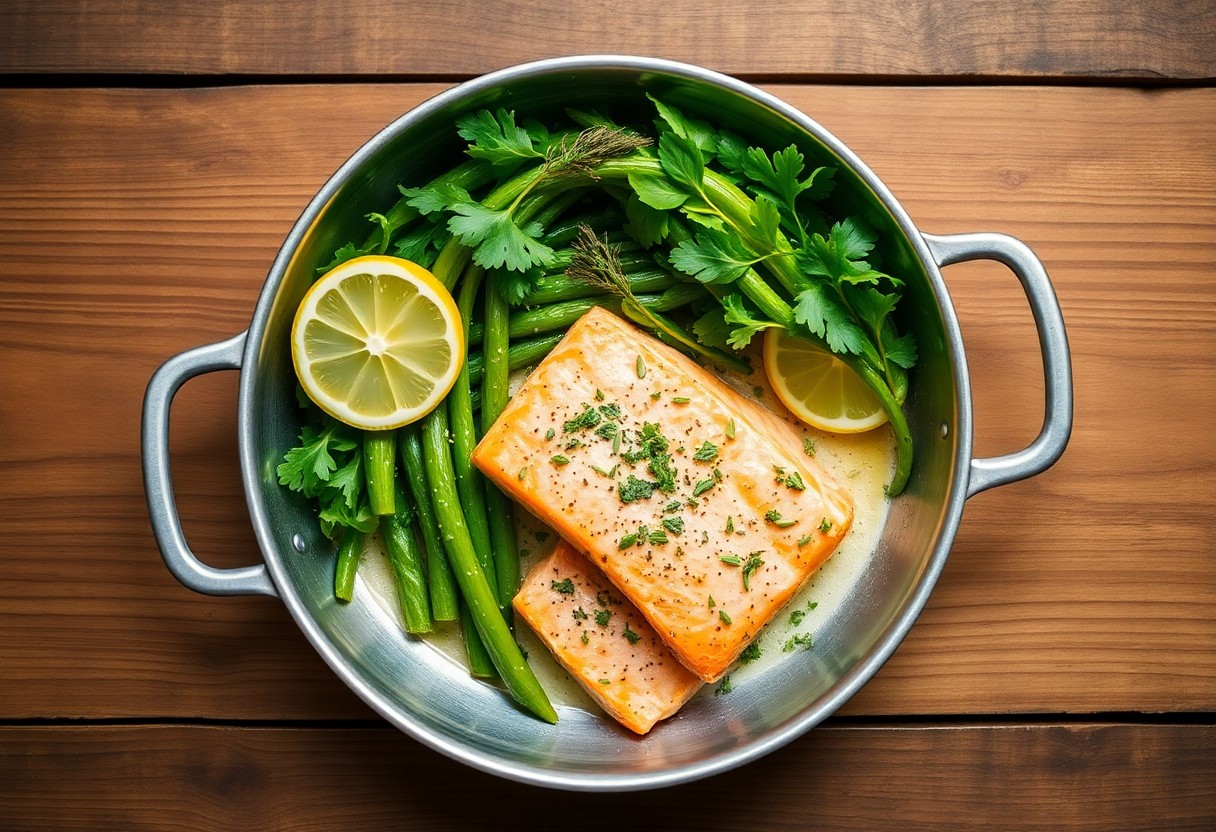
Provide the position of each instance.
(135, 224)
(1026, 777)
(1157, 40)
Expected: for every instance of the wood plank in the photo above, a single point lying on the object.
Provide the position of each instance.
(1028, 777)
(1153, 41)
(147, 225)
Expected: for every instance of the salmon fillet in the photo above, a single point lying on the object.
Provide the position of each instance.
(698, 504)
(603, 641)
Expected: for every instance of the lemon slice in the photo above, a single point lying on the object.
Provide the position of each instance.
(818, 387)
(377, 342)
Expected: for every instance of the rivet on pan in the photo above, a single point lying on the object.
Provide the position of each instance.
(298, 541)
(945, 430)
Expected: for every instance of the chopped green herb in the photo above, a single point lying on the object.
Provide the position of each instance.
(610, 473)
(674, 505)
(656, 395)
(716, 474)
(550, 433)
(702, 486)
(541, 536)
(589, 418)
(657, 537)
(711, 603)
(810, 605)
(750, 653)
(724, 618)
(731, 560)
(708, 452)
(680, 400)
(559, 459)
(607, 430)
(724, 687)
(796, 617)
(758, 392)
(584, 639)
(808, 445)
(565, 586)
(610, 411)
(792, 480)
(605, 681)
(575, 443)
(773, 516)
(616, 442)
(754, 562)
(730, 429)
(675, 525)
(602, 617)
(641, 367)
(599, 395)
(730, 524)
(523, 472)
(627, 541)
(634, 489)
(802, 640)
(825, 525)
(603, 598)
(579, 614)
(802, 541)
(630, 635)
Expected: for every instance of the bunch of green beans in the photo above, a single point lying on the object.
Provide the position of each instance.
(449, 534)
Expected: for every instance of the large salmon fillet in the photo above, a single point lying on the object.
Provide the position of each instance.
(603, 641)
(697, 503)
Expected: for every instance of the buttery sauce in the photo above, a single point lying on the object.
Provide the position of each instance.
(862, 463)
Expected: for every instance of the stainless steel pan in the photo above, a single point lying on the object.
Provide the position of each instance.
(407, 681)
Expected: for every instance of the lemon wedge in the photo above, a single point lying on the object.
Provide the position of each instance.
(377, 342)
(817, 387)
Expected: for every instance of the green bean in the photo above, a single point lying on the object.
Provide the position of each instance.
(350, 550)
(439, 579)
(480, 663)
(379, 469)
(469, 481)
(474, 584)
(494, 397)
(643, 277)
(409, 571)
(563, 315)
(522, 354)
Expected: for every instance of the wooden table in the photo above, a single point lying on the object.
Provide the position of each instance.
(152, 159)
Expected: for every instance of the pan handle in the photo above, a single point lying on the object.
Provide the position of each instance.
(166, 524)
(1053, 343)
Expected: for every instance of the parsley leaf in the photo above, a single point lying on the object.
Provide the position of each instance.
(429, 199)
(646, 224)
(700, 133)
(306, 467)
(750, 653)
(802, 640)
(630, 635)
(563, 587)
(422, 244)
(634, 489)
(682, 160)
(821, 311)
(658, 192)
(496, 240)
(497, 140)
(743, 325)
(708, 452)
(714, 257)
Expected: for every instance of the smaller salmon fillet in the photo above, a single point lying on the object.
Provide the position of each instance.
(603, 641)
